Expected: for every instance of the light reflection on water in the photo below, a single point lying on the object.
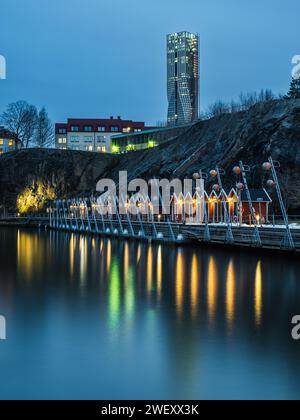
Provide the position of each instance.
(212, 289)
(258, 294)
(96, 318)
(230, 295)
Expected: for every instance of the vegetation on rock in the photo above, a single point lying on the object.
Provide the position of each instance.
(35, 197)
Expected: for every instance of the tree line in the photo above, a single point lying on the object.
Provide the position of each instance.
(32, 127)
(247, 100)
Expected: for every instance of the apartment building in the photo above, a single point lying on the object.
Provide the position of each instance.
(93, 135)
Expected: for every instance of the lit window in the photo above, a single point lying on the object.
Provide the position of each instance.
(101, 149)
(62, 140)
(89, 148)
(10, 142)
(1, 142)
(127, 130)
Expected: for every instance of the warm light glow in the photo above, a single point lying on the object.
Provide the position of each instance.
(194, 285)
(179, 282)
(149, 269)
(139, 254)
(108, 256)
(230, 294)
(258, 294)
(34, 198)
(159, 271)
(126, 261)
(29, 254)
(212, 288)
(72, 250)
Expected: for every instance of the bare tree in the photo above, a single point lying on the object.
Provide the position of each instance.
(218, 108)
(21, 118)
(245, 102)
(44, 133)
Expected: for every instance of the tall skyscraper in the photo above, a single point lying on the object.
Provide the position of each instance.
(183, 77)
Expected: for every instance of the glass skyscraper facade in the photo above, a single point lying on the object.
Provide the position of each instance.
(183, 77)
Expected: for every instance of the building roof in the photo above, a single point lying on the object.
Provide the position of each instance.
(151, 130)
(257, 196)
(96, 122)
(6, 134)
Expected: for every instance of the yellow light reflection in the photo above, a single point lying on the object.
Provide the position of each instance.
(72, 250)
(212, 289)
(29, 254)
(126, 261)
(159, 271)
(149, 269)
(230, 295)
(194, 285)
(179, 282)
(258, 294)
(139, 254)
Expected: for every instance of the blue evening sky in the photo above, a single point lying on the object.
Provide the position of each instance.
(97, 58)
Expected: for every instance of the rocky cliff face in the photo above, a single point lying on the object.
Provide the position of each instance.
(69, 172)
(252, 136)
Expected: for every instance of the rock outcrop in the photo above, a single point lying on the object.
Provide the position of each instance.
(269, 129)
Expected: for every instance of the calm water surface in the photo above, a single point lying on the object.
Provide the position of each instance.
(95, 318)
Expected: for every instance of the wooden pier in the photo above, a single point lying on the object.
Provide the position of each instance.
(271, 238)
